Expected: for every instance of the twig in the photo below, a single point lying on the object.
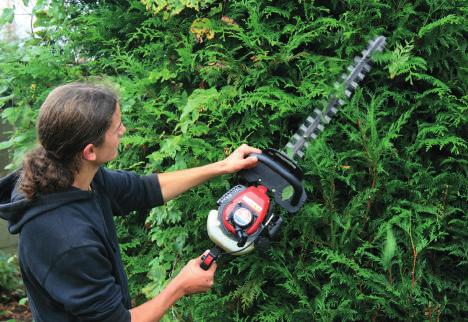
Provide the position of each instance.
(415, 254)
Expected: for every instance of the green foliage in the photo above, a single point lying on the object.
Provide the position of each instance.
(7, 16)
(10, 278)
(174, 7)
(383, 234)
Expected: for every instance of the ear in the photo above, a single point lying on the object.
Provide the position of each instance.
(89, 152)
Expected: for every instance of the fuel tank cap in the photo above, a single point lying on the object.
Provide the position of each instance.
(242, 217)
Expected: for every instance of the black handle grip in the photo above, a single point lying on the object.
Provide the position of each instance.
(283, 172)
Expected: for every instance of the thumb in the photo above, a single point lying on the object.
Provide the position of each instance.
(250, 161)
(206, 252)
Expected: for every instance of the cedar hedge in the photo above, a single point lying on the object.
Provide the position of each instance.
(383, 235)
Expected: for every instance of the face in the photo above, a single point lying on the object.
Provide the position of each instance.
(108, 149)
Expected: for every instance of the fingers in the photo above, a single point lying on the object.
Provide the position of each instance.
(213, 268)
(250, 162)
(204, 253)
(213, 265)
(246, 149)
(238, 160)
(252, 159)
(210, 272)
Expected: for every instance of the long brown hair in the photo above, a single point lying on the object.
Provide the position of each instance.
(71, 117)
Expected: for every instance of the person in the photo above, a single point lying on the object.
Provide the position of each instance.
(62, 203)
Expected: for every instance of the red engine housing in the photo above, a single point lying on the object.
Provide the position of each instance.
(253, 198)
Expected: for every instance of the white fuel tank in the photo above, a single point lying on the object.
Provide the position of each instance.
(220, 237)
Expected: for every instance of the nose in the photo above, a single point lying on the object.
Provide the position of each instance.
(123, 129)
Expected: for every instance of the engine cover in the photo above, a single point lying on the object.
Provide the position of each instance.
(241, 214)
(245, 209)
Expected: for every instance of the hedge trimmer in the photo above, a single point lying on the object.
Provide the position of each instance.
(244, 219)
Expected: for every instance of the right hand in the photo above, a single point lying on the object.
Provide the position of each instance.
(193, 279)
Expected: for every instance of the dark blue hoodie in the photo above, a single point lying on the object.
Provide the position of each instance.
(68, 249)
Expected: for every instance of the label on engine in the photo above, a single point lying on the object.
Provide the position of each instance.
(229, 195)
(252, 204)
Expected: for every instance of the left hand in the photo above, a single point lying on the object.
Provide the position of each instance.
(238, 160)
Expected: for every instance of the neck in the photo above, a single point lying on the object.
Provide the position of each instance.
(84, 176)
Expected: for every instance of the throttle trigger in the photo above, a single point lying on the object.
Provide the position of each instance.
(209, 259)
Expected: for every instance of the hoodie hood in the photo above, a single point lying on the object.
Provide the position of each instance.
(17, 210)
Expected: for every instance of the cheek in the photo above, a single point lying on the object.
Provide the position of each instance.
(112, 140)
(117, 140)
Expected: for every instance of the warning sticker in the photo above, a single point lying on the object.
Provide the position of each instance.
(252, 203)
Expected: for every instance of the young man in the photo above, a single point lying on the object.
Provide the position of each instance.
(62, 202)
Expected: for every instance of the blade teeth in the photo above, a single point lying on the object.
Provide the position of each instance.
(363, 63)
(289, 147)
(309, 120)
(296, 137)
(382, 45)
(376, 44)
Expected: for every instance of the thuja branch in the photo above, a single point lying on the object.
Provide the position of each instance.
(415, 254)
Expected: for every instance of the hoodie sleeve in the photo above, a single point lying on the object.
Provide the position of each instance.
(131, 191)
(81, 280)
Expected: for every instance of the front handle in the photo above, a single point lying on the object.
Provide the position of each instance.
(287, 175)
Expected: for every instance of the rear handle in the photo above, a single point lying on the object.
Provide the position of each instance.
(210, 258)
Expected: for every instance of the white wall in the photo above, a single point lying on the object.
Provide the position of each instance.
(21, 26)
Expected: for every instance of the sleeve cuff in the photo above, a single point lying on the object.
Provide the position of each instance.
(119, 315)
(153, 188)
